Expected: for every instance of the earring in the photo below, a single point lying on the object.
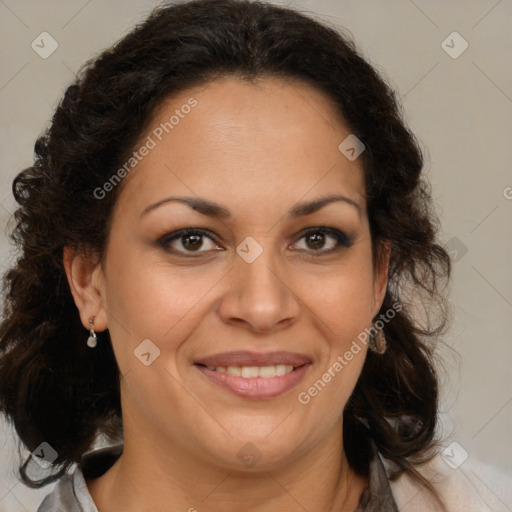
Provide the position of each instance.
(92, 340)
(378, 342)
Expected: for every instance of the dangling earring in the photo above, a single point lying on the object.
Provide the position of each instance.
(92, 340)
(378, 342)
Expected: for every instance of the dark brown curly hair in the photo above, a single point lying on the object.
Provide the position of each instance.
(52, 388)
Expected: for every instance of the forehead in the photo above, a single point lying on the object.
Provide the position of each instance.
(267, 142)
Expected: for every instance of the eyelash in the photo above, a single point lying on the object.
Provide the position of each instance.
(342, 239)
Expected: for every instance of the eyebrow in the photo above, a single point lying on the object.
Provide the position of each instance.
(215, 210)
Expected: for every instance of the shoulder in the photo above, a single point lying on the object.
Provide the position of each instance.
(474, 486)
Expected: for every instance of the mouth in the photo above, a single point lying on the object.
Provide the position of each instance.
(255, 375)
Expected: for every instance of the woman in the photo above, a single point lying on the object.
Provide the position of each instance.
(226, 239)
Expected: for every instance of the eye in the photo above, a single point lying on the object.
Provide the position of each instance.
(188, 241)
(317, 238)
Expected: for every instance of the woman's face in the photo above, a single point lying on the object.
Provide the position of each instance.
(257, 286)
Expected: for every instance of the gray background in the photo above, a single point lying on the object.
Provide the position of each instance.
(460, 109)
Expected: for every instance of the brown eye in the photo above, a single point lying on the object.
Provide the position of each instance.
(192, 242)
(316, 240)
(188, 241)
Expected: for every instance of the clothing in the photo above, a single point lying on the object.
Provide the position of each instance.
(458, 487)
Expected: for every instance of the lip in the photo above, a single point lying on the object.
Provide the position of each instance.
(257, 387)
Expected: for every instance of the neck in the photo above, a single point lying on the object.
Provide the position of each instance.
(148, 476)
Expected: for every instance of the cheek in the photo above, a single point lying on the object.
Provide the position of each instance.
(342, 305)
(342, 297)
(155, 300)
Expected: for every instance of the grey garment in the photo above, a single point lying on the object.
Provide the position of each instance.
(71, 493)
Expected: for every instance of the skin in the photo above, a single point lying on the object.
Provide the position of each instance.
(257, 149)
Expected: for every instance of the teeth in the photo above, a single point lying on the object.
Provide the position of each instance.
(251, 372)
(267, 371)
(281, 369)
(235, 370)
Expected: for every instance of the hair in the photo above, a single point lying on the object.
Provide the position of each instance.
(56, 390)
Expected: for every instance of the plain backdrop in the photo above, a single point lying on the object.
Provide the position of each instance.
(459, 104)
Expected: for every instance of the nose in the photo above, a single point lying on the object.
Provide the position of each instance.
(260, 296)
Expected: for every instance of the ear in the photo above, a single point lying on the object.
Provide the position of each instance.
(85, 278)
(381, 274)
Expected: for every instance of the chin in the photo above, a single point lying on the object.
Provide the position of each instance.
(256, 451)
